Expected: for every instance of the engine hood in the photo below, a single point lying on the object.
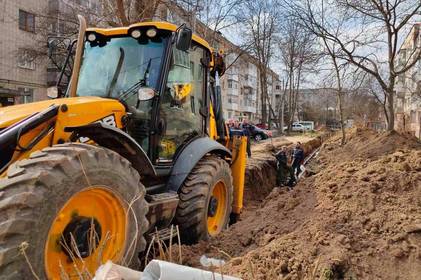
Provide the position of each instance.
(12, 114)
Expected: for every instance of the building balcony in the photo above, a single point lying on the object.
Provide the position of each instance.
(231, 106)
(231, 91)
(232, 75)
(400, 92)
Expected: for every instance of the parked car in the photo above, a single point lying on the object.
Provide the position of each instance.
(297, 127)
(259, 134)
(308, 125)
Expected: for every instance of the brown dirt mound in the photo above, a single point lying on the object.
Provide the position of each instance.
(359, 217)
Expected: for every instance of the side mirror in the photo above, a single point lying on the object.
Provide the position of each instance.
(145, 94)
(183, 39)
(52, 92)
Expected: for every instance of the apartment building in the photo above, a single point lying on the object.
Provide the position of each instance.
(408, 85)
(240, 87)
(26, 29)
(23, 75)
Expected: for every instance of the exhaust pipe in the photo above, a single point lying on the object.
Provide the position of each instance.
(78, 56)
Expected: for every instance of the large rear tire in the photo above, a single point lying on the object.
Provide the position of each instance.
(205, 200)
(73, 195)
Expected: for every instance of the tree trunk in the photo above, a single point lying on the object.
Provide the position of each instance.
(121, 13)
(390, 111)
(282, 113)
(295, 98)
(341, 111)
(341, 116)
(263, 90)
(290, 97)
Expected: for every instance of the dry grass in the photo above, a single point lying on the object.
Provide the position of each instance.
(22, 250)
(158, 248)
(79, 266)
(131, 251)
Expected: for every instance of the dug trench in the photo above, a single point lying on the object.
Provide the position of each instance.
(254, 230)
(357, 217)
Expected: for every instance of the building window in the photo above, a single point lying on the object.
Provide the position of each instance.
(26, 21)
(413, 116)
(229, 83)
(247, 91)
(278, 87)
(26, 59)
(28, 94)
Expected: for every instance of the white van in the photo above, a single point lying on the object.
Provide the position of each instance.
(308, 125)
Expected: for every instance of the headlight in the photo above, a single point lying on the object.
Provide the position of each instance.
(92, 37)
(136, 33)
(151, 32)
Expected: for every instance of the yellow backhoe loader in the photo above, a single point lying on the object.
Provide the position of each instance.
(137, 143)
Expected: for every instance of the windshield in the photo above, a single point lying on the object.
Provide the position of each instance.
(120, 65)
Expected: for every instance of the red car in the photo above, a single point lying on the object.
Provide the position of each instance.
(262, 125)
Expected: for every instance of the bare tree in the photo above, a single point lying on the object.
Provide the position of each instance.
(362, 106)
(209, 17)
(298, 55)
(280, 107)
(125, 12)
(56, 27)
(259, 19)
(339, 87)
(331, 50)
(369, 39)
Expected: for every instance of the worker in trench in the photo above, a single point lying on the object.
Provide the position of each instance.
(248, 131)
(297, 159)
(284, 172)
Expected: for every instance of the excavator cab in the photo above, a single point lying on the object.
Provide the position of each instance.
(136, 145)
(154, 79)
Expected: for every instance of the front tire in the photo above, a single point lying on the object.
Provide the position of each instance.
(205, 200)
(73, 195)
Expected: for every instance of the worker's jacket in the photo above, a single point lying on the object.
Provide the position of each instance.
(281, 157)
(298, 155)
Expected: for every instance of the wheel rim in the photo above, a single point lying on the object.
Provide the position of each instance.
(94, 222)
(258, 137)
(217, 209)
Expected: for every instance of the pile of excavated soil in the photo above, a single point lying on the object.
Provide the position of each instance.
(358, 217)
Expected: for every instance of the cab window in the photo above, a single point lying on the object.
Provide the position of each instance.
(182, 100)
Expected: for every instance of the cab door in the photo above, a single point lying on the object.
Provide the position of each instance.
(179, 112)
